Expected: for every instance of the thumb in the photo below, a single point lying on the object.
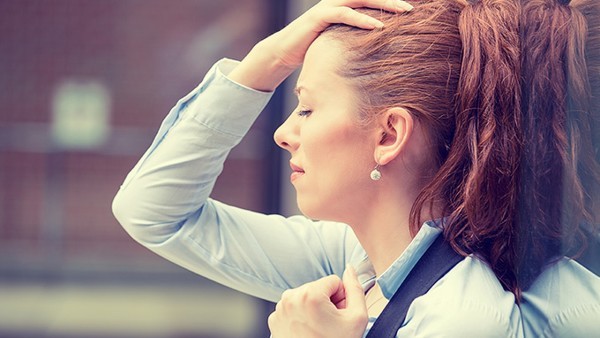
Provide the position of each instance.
(355, 296)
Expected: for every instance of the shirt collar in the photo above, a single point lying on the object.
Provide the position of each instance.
(394, 276)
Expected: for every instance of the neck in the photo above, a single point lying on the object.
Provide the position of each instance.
(384, 231)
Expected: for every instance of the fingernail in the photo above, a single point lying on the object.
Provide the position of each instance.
(376, 23)
(403, 5)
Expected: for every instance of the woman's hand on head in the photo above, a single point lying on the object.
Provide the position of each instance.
(328, 307)
(290, 44)
(276, 57)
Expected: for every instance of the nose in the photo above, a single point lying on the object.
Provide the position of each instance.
(286, 136)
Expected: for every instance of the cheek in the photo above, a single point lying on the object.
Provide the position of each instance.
(340, 153)
(327, 143)
(338, 177)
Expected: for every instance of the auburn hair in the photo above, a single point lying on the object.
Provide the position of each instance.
(515, 166)
(560, 190)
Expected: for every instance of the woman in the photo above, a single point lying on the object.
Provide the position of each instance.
(408, 127)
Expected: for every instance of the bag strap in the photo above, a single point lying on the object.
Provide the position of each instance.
(435, 263)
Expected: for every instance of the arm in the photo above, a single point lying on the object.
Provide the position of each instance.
(164, 203)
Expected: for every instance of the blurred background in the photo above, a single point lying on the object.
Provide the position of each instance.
(84, 85)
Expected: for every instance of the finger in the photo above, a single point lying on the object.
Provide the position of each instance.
(329, 286)
(286, 302)
(350, 17)
(355, 296)
(272, 322)
(339, 297)
(340, 303)
(397, 6)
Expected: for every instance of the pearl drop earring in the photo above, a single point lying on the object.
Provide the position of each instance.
(376, 174)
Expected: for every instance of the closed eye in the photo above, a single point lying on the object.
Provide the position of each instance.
(304, 112)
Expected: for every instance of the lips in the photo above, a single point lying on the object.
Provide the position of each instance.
(296, 168)
(296, 172)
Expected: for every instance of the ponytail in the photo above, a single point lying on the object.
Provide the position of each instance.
(560, 174)
(521, 176)
(488, 118)
(511, 104)
(479, 180)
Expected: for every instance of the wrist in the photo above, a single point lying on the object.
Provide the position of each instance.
(261, 69)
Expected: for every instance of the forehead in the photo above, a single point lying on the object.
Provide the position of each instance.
(320, 68)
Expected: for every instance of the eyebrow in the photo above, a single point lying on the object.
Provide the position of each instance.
(298, 89)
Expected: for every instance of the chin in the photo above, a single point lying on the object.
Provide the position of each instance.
(315, 211)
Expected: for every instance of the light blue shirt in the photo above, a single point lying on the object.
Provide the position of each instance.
(164, 204)
(564, 301)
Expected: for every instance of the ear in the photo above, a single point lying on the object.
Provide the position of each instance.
(395, 128)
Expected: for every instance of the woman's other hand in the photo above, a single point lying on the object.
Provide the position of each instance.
(273, 59)
(328, 307)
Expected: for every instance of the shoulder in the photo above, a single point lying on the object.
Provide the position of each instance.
(563, 301)
(468, 301)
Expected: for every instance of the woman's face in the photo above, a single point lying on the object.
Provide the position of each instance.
(331, 153)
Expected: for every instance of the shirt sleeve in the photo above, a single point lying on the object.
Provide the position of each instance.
(164, 202)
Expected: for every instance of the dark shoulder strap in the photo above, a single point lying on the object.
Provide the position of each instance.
(435, 263)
